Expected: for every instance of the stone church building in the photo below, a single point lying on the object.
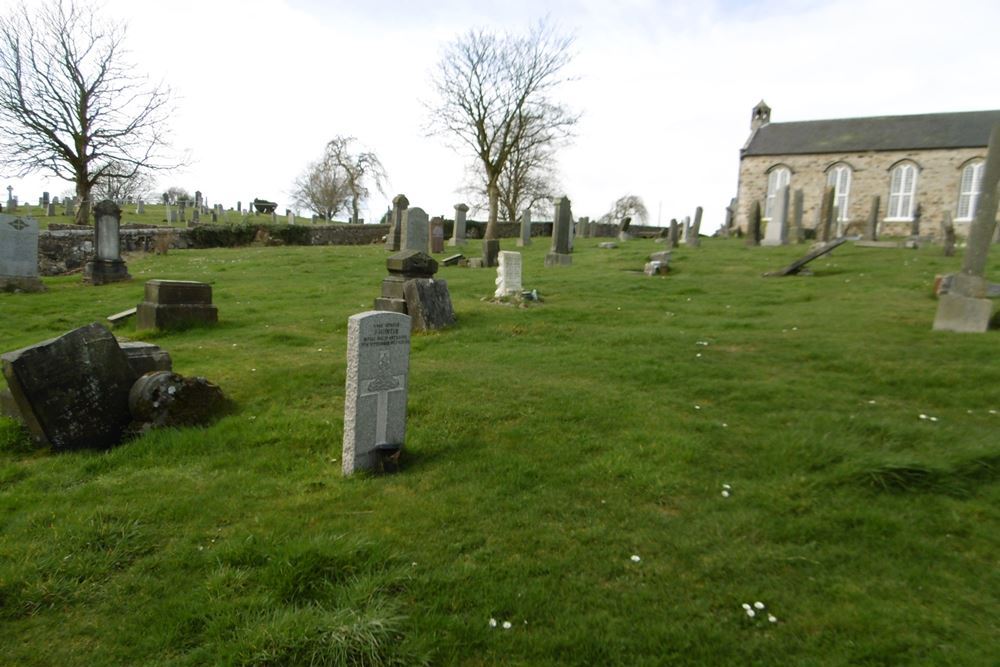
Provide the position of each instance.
(926, 165)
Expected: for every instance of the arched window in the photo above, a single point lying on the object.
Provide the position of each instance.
(902, 191)
(839, 178)
(778, 178)
(968, 190)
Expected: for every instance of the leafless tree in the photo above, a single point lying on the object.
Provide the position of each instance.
(629, 206)
(176, 193)
(322, 188)
(357, 169)
(70, 104)
(118, 184)
(495, 98)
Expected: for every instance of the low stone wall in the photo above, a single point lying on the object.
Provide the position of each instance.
(347, 234)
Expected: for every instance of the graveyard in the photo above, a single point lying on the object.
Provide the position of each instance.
(617, 473)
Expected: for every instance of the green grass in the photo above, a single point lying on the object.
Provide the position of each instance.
(545, 446)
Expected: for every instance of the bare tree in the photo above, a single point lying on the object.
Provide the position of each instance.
(629, 206)
(357, 169)
(176, 193)
(495, 98)
(322, 188)
(119, 184)
(70, 105)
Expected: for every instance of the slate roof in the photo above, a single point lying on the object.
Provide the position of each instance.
(967, 129)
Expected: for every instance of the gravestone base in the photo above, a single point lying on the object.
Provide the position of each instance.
(624, 237)
(392, 287)
(173, 316)
(963, 314)
(391, 305)
(428, 303)
(21, 284)
(558, 259)
(105, 271)
(146, 357)
(491, 250)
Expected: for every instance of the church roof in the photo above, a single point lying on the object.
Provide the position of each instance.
(967, 129)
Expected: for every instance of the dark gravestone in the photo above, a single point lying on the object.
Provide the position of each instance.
(491, 250)
(72, 391)
(403, 266)
(827, 214)
(948, 235)
(428, 303)
(799, 264)
(675, 233)
(165, 399)
(107, 265)
(753, 225)
(452, 260)
(146, 357)
(871, 229)
(175, 304)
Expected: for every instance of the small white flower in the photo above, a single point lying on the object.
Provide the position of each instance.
(751, 613)
(933, 419)
(726, 486)
(635, 559)
(923, 416)
(253, 370)
(758, 605)
(698, 355)
(493, 622)
(725, 494)
(746, 606)
(234, 344)
(795, 328)
(993, 412)
(772, 618)
(871, 402)
(725, 425)
(506, 625)
(697, 407)
(319, 349)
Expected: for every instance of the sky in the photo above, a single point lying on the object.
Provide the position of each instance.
(664, 88)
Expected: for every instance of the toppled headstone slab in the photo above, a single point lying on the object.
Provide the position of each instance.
(378, 359)
(72, 391)
(165, 399)
(146, 357)
(175, 304)
(428, 304)
(797, 266)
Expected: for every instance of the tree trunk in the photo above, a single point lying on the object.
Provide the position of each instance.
(354, 210)
(83, 205)
(491, 224)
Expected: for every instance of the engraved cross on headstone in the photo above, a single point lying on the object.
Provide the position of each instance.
(381, 386)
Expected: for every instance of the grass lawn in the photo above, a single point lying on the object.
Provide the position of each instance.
(564, 473)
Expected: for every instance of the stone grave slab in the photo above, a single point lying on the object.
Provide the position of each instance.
(72, 391)
(19, 254)
(799, 264)
(378, 360)
(146, 357)
(175, 304)
(508, 279)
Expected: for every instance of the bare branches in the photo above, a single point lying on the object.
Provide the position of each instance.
(356, 170)
(321, 188)
(629, 206)
(495, 98)
(69, 103)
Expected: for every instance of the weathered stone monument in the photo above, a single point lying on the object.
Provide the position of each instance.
(562, 220)
(50, 210)
(393, 241)
(458, 233)
(623, 227)
(966, 308)
(508, 280)
(871, 228)
(827, 215)
(583, 228)
(675, 233)
(437, 235)
(72, 391)
(11, 206)
(290, 217)
(182, 208)
(491, 248)
(416, 230)
(19, 254)
(140, 207)
(107, 265)
(753, 225)
(69, 206)
(777, 227)
(694, 239)
(948, 234)
(378, 365)
(525, 238)
(175, 304)
(797, 231)
(411, 289)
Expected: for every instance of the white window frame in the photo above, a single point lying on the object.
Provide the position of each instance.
(902, 201)
(839, 177)
(777, 178)
(969, 191)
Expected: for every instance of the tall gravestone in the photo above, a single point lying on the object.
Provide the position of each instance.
(458, 233)
(182, 210)
(140, 207)
(797, 232)
(562, 220)
(508, 280)
(777, 227)
(827, 215)
(415, 230)
(10, 207)
(948, 235)
(694, 240)
(107, 265)
(19, 254)
(437, 235)
(966, 307)
(394, 239)
(675, 233)
(871, 229)
(687, 228)
(378, 360)
(70, 206)
(45, 199)
(525, 238)
(753, 225)
(72, 391)
(583, 228)
(50, 210)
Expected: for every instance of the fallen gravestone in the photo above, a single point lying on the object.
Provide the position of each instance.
(799, 264)
(72, 391)
(452, 260)
(428, 303)
(162, 399)
(146, 357)
(175, 304)
(19, 255)
(378, 359)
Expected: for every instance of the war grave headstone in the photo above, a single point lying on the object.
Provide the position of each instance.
(458, 233)
(19, 254)
(437, 235)
(375, 394)
(107, 265)
(562, 220)
(393, 241)
(72, 391)
(525, 238)
(777, 227)
(694, 240)
(966, 308)
(415, 230)
(175, 304)
(508, 279)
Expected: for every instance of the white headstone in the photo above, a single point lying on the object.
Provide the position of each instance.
(508, 274)
(378, 360)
